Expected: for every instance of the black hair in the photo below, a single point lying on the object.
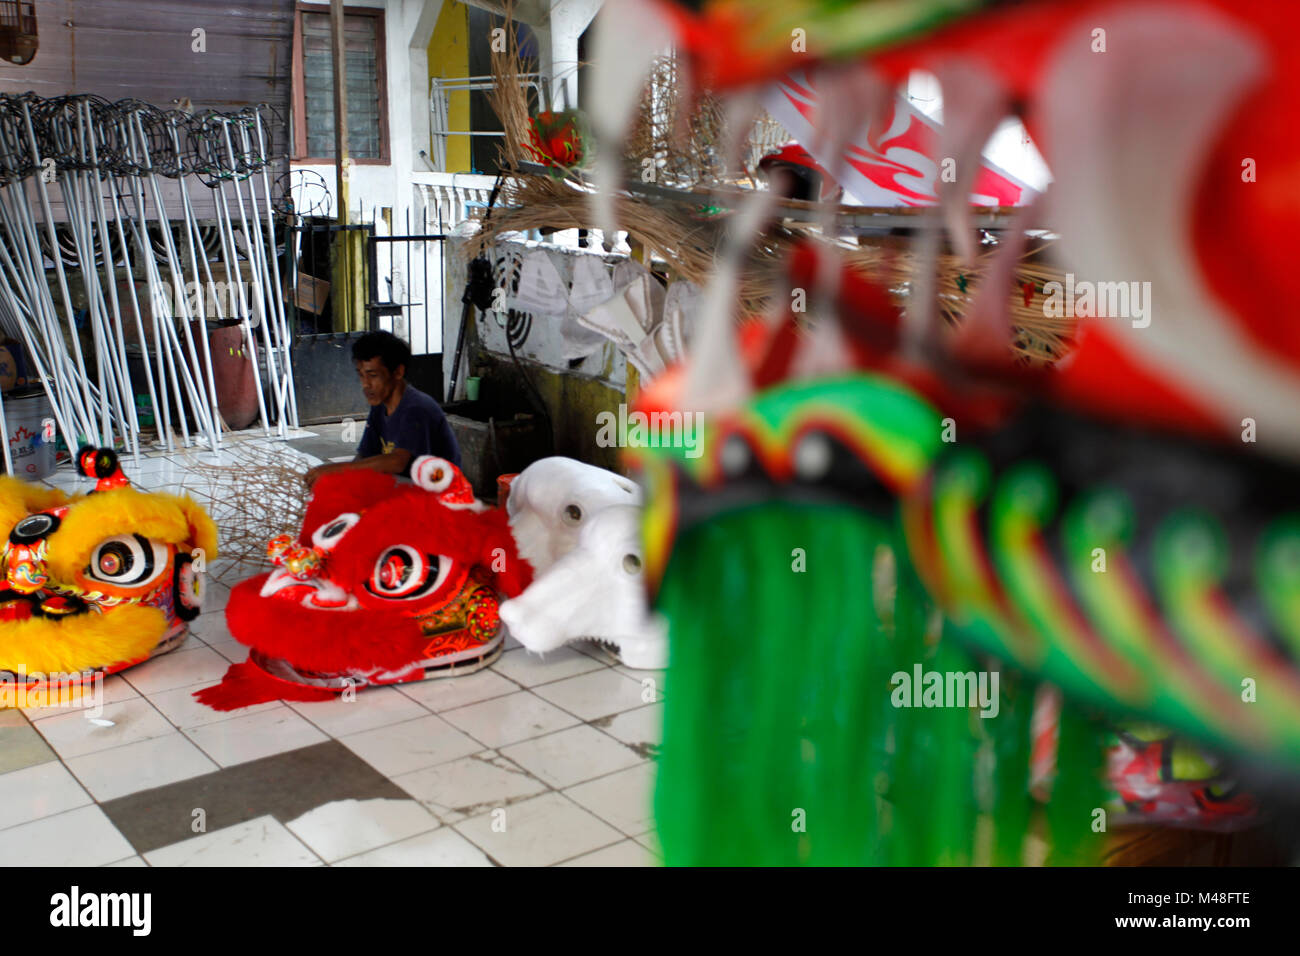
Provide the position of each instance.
(390, 350)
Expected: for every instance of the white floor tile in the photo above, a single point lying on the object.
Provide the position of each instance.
(81, 837)
(412, 745)
(377, 707)
(260, 842)
(651, 842)
(510, 719)
(183, 711)
(158, 475)
(642, 728)
(142, 765)
(529, 669)
(571, 756)
(232, 651)
(148, 463)
(466, 787)
(345, 828)
(652, 682)
(538, 832)
(449, 693)
(624, 799)
(115, 688)
(443, 847)
(627, 853)
(251, 736)
(214, 602)
(596, 651)
(72, 734)
(36, 792)
(594, 695)
(66, 478)
(181, 668)
(129, 861)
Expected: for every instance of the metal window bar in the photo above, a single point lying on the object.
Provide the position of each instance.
(439, 106)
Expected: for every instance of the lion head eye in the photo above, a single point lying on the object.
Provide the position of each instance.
(403, 573)
(34, 527)
(127, 560)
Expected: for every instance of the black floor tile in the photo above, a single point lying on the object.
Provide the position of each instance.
(284, 786)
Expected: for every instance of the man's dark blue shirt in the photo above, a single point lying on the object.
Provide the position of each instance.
(417, 425)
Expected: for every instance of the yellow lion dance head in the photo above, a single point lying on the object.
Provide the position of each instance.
(94, 583)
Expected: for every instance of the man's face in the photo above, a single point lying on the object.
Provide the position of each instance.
(377, 382)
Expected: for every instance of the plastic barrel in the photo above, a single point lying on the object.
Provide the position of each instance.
(26, 412)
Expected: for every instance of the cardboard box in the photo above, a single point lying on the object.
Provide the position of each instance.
(311, 295)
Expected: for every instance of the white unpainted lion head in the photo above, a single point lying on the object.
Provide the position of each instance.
(595, 590)
(551, 501)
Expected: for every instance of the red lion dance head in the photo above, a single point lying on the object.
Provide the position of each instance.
(386, 583)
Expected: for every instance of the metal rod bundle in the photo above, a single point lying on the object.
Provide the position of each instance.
(114, 220)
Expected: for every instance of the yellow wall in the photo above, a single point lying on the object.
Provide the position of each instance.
(449, 59)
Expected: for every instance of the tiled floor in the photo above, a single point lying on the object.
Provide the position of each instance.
(533, 762)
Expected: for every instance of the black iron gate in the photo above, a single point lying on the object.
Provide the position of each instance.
(415, 251)
(322, 353)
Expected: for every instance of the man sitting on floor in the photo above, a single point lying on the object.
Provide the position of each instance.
(404, 423)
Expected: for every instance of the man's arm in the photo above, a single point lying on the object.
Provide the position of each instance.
(393, 463)
(369, 455)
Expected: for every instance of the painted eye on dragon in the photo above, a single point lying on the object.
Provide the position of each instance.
(127, 560)
(403, 573)
(328, 534)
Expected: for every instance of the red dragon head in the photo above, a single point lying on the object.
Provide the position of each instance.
(384, 583)
(1164, 124)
